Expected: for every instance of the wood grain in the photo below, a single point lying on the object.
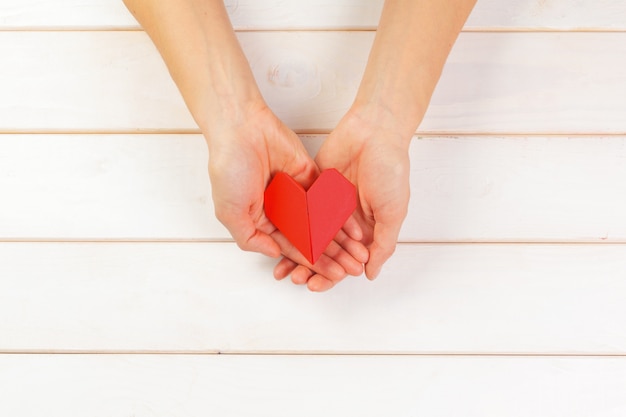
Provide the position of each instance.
(320, 14)
(194, 386)
(464, 189)
(525, 141)
(523, 83)
(192, 297)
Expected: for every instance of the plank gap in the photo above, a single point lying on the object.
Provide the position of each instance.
(519, 29)
(582, 242)
(308, 132)
(307, 354)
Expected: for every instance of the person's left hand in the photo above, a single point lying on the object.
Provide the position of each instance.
(373, 155)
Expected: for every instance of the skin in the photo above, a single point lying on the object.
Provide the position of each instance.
(370, 145)
(248, 144)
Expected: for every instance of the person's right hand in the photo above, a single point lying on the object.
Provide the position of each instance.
(247, 146)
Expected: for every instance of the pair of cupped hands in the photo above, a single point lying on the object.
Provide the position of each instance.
(247, 147)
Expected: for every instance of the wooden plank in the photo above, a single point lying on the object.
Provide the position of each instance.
(194, 386)
(320, 14)
(186, 297)
(464, 189)
(517, 189)
(493, 83)
(64, 14)
(548, 15)
(106, 186)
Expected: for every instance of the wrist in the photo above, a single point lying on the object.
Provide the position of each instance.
(229, 111)
(373, 116)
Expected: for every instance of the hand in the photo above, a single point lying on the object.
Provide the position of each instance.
(372, 153)
(247, 146)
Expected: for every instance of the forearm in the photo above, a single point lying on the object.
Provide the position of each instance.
(412, 43)
(201, 51)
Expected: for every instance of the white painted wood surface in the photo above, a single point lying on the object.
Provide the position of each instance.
(494, 82)
(239, 386)
(466, 299)
(321, 14)
(511, 189)
(524, 142)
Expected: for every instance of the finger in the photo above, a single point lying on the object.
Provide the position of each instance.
(353, 229)
(329, 268)
(283, 268)
(319, 283)
(324, 265)
(337, 253)
(356, 249)
(248, 238)
(383, 246)
(301, 275)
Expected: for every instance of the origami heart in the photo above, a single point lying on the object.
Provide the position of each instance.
(310, 219)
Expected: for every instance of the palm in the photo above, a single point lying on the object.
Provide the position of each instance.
(379, 168)
(240, 168)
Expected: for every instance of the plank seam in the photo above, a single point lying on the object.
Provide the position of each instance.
(418, 135)
(286, 353)
(596, 242)
(477, 29)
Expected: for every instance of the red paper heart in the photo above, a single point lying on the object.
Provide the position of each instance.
(310, 219)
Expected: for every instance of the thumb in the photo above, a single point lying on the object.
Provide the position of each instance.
(383, 246)
(261, 243)
(247, 236)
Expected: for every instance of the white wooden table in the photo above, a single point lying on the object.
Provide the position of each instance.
(121, 294)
